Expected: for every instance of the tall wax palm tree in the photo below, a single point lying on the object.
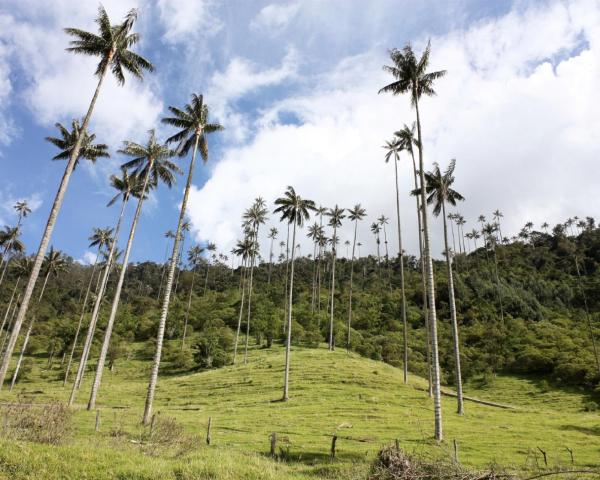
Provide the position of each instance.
(376, 230)
(185, 228)
(295, 210)
(322, 243)
(10, 243)
(112, 45)
(22, 209)
(21, 269)
(355, 215)
(169, 235)
(255, 216)
(489, 231)
(383, 221)
(406, 135)
(411, 77)
(272, 235)
(194, 126)
(68, 140)
(54, 264)
(127, 186)
(336, 215)
(100, 238)
(152, 163)
(194, 258)
(246, 249)
(314, 232)
(393, 151)
(475, 236)
(210, 247)
(439, 193)
(497, 216)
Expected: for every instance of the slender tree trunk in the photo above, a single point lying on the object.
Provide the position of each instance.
(187, 312)
(165, 306)
(250, 297)
(206, 278)
(27, 335)
(403, 292)
(39, 258)
(97, 304)
(351, 286)
(333, 257)
(453, 319)
(423, 281)
(10, 324)
(9, 306)
(314, 279)
(270, 261)
(83, 309)
(437, 401)
(287, 264)
(117, 295)
(498, 287)
(288, 344)
(239, 325)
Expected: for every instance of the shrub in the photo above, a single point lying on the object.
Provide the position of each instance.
(36, 423)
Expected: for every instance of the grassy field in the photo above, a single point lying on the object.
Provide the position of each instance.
(363, 402)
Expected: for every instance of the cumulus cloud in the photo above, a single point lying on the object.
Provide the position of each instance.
(88, 258)
(515, 110)
(275, 17)
(185, 19)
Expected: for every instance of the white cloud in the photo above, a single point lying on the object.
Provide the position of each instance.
(243, 78)
(516, 109)
(59, 85)
(275, 17)
(88, 258)
(187, 19)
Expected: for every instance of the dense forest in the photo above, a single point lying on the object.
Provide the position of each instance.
(524, 306)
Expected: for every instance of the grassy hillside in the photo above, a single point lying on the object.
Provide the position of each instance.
(363, 401)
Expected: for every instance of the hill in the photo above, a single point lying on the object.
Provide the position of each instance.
(362, 401)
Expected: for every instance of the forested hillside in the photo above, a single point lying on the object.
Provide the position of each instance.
(525, 307)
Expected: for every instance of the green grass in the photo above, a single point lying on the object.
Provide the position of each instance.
(362, 401)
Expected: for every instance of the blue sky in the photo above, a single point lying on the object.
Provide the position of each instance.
(295, 84)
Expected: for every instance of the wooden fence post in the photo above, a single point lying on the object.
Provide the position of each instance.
(544, 454)
(208, 430)
(397, 444)
(97, 426)
(571, 453)
(455, 450)
(333, 442)
(273, 444)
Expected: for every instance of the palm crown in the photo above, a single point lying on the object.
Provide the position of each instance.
(22, 209)
(336, 215)
(112, 45)
(357, 213)
(438, 187)
(153, 159)
(293, 207)
(55, 262)
(68, 139)
(126, 186)
(194, 125)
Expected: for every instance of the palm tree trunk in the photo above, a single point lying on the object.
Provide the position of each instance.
(333, 256)
(314, 279)
(83, 308)
(9, 306)
(288, 344)
(165, 306)
(239, 325)
(206, 278)
(287, 265)
(27, 335)
(351, 286)
(451, 299)
(10, 324)
(87, 345)
(117, 295)
(403, 292)
(250, 297)
(270, 261)
(7, 249)
(39, 258)
(423, 281)
(187, 312)
(437, 401)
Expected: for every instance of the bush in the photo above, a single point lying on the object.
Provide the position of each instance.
(43, 424)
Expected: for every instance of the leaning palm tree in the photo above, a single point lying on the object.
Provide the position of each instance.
(194, 127)
(412, 77)
(100, 238)
(439, 193)
(336, 215)
(112, 46)
(194, 259)
(127, 186)
(355, 215)
(152, 163)
(296, 210)
(55, 263)
(255, 216)
(393, 151)
(22, 210)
